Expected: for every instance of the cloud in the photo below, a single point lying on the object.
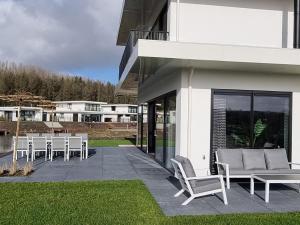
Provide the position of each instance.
(60, 35)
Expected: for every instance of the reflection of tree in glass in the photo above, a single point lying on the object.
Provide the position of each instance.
(241, 137)
(259, 128)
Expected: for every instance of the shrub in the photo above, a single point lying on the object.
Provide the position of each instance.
(12, 170)
(28, 169)
(3, 168)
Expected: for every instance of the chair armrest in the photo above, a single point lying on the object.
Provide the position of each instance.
(205, 177)
(226, 167)
(222, 164)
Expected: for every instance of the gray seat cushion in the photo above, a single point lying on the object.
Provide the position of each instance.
(254, 159)
(233, 157)
(238, 172)
(186, 165)
(276, 159)
(206, 185)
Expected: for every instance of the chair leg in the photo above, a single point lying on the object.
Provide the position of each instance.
(32, 156)
(46, 156)
(51, 154)
(188, 200)
(228, 182)
(27, 155)
(80, 155)
(178, 193)
(224, 197)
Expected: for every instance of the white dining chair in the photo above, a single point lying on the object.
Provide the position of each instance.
(22, 146)
(58, 144)
(75, 145)
(39, 144)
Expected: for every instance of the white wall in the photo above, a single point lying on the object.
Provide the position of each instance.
(266, 23)
(204, 81)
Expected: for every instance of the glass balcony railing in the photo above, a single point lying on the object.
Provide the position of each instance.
(134, 36)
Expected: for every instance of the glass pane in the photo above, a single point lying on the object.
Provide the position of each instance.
(170, 130)
(140, 127)
(145, 129)
(271, 122)
(231, 123)
(159, 136)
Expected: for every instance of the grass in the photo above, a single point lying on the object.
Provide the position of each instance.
(105, 202)
(110, 142)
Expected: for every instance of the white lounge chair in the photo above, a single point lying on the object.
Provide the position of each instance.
(39, 144)
(58, 144)
(22, 146)
(196, 186)
(74, 145)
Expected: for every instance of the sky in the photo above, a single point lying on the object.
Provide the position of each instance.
(68, 36)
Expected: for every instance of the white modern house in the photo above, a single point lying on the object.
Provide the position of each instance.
(213, 74)
(74, 111)
(77, 111)
(27, 113)
(122, 113)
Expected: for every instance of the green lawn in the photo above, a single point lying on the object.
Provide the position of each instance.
(110, 142)
(108, 202)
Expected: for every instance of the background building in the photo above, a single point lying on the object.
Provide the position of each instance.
(74, 111)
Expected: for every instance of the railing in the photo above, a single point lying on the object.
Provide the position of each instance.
(134, 36)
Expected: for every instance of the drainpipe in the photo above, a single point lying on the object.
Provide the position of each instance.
(296, 23)
(177, 19)
(190, 101)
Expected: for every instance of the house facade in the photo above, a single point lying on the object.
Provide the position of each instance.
(117, 113)
(212, 75)
(74, 111)
(27, 114)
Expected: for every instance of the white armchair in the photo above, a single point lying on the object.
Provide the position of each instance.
(196, 186)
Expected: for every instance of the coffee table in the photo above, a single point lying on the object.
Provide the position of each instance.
(273, 179)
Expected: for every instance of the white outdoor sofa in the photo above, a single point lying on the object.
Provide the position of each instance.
(242, 163)
(196, 186)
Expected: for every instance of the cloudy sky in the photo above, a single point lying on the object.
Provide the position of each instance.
(72, 36)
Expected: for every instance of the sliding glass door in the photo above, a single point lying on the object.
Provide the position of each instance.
(170, 127)
(162, 129)
(159, 131)
(250, 119)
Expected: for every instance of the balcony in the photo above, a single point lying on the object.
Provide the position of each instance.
(134, 36)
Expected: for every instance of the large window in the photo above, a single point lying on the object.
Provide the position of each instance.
(162, 128)
(250, 119)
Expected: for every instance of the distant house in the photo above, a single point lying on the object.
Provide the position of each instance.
(119, 113)
(27, 114)
(74, 111)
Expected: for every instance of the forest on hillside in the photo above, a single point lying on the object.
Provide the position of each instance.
(55, 86)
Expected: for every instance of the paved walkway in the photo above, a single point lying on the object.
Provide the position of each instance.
(130, 163)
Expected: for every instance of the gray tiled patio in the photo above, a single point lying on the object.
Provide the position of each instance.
(130, 163)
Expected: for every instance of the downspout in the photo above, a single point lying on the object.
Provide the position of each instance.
(190, 101)
(177, 19)
(296, 23)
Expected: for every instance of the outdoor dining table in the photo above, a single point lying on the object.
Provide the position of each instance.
(84, 141)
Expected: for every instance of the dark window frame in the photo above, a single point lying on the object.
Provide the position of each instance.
(252, 94)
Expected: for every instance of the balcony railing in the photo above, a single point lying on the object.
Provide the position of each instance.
(134, 36)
